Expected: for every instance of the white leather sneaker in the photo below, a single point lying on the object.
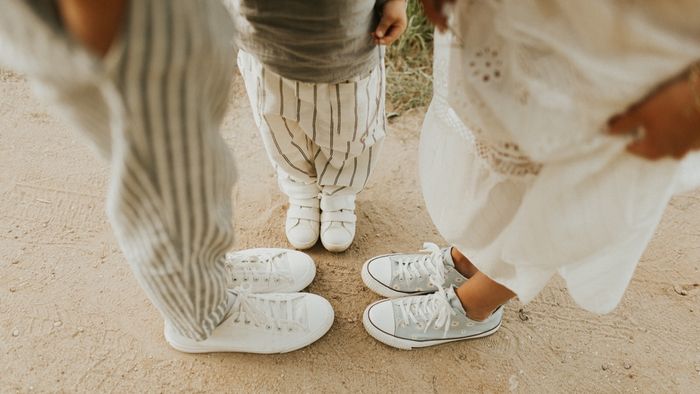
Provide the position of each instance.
(302, 225)
(303, 215)
(271, 270)
(262, 323)
(337, 222)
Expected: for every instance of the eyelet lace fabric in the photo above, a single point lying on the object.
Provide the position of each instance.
(497, 152)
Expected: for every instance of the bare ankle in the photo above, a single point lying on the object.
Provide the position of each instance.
(462, 263)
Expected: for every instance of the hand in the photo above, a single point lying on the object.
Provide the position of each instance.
(95, 24)
(392, 23)
(667, 122)
(433, 10)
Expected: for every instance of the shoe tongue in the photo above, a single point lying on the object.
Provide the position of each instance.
(454, 300)
(447, 257)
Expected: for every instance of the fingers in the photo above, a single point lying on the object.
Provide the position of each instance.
(384, 25)
(625, 123)
(391, 34)
(645, 148)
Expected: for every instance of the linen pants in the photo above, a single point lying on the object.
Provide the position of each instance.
(153, 107)
(318, 136)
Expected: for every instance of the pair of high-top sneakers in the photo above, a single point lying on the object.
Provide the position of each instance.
(267, 311)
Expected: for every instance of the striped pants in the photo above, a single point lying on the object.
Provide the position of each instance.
(153, 107)
(327, 135)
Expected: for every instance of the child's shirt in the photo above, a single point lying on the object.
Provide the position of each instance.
(323, 41)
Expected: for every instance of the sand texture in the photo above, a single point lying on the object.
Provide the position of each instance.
(73, 319)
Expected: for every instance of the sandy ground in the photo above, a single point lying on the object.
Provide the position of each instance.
(72, 317)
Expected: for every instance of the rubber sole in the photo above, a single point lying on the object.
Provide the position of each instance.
(407, 344)
(318, 334)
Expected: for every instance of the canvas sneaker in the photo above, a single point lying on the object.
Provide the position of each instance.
(401, 274)
(425, 320)
(262, 323)
(270, 270)
(337, 222)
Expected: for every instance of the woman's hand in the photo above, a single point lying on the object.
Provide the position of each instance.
(434, 11)
(392, 23)
(666, 123)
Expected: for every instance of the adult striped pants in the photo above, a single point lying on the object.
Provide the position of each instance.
(153, 107)
(322, 134)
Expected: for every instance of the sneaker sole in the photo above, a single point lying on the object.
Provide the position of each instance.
(318, 334)
(336, 248)
(302, 246)
(408, 344)
(379, 288)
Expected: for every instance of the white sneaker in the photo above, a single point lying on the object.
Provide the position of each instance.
(337, 222)
(302, 224)
(426, 320)
(262, 323)
(270, 270)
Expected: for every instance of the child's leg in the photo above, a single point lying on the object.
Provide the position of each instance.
(274, 101)
(480, 295)
(348, 152)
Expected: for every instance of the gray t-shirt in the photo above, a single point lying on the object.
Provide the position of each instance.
(322, 41)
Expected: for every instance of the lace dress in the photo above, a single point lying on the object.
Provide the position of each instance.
(515, 168)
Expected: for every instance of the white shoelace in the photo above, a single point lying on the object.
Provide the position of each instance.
(431, 265)
(425, 310)
(269, 312)
(257, 267)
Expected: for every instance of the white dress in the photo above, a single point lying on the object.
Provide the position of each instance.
(515, 168)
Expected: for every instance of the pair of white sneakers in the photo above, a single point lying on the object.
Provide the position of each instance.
(268, 314)
(330, 217)
(422, 308)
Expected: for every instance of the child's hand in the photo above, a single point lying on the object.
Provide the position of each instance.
(392, 24)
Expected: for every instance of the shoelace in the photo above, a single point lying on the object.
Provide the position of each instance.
(423, 311)
(431, 265)
(267, 311)
(257, 267)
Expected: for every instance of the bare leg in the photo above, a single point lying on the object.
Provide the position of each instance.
(480, 295)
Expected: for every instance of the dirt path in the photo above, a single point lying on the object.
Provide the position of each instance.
(72, 317)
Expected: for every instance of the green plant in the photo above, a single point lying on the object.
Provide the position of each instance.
(409, 63)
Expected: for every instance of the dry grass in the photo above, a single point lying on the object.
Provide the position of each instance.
(410, 63)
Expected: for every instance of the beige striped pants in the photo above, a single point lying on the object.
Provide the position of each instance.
(153, 107)
(319, 135)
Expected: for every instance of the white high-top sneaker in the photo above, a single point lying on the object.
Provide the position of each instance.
(337, 222)
(270, 270)
(262, 323)
(303, 215)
